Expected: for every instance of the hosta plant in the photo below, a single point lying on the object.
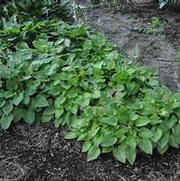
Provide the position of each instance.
(29, 9)
(72, 76)
(162, 3)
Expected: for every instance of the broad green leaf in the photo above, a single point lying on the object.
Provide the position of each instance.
(96, 94)
(112, 120)
(145, 133)
(146, 146)
(86, 146)
(131, 142)
(71, 135)
(59, 113)
(131, 155)
(120, 132)
(29, 116)
(59, 101)
(120, 154)
(173, 142)
(41, 101)
(17, 99)
(107, 149)
(157, 135)
(57, 122)
(7, 108)
(162, 150)
(133, 116)
(93, 153)
(97, 140)
(163, 142)
(2, 103)
(6, 120)
(47, 115)
(155, 119)
(93, 132)
(108, 140)
(170, 121)
(142, 121)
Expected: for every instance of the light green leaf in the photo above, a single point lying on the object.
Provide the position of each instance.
(8, 108)
(17, 99)
(142, 121)
(131, 155)
(41, 101)
(107, 149)
(163, 142)
(47, 115)
(157, 135)
(112, 120)
(120, 154)
(108, 140)
(170, 121)
(86, 146)
(29, 116)
(162, 150)
(57, 122)
(59, 101)
(146, 146)
(6, 121)
(71, 135)
(145, 133)
(93, 153)
(59, 113)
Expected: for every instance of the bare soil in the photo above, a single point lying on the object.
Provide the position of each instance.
(40, 152)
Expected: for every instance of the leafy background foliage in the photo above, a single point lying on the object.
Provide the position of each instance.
(171, 2)
(72, 76)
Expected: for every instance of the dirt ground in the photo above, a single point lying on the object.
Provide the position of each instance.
(40, 152)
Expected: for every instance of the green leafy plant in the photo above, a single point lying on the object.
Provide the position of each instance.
(29, 9)
(178, 56)
(163, 3)
(72, 76)
(155, 27)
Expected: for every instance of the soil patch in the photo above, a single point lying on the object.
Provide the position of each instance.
(40, 153)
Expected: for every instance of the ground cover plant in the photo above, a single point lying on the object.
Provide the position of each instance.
(163, 3)
(72, 76)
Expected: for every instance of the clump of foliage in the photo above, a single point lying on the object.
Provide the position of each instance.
(178, 56)
(163, 3)
(33, 9)
(72, 76)
(154, 29)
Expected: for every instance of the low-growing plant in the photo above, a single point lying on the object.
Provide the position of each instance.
(155, 27)
(178, 56)
(29, 9)
(163, 3)
(51, 71)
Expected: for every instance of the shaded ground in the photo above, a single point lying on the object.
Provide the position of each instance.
(40, 153)
(125, 27)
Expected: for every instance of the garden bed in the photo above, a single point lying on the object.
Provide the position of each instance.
(41, 152)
